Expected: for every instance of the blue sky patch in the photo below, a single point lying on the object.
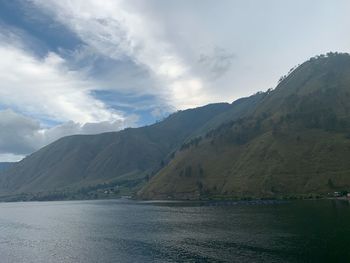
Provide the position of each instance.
(38, 26)
(146, 107)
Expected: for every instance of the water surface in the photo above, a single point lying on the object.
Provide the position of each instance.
(129, 231)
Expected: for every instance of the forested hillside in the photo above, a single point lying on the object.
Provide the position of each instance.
(296, 142)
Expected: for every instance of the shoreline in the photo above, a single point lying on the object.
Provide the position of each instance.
(214, 199)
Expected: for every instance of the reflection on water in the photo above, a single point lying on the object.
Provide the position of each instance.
(128, 231)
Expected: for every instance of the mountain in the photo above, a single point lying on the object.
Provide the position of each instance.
(295, 142)
(84, 166)
(5, 165)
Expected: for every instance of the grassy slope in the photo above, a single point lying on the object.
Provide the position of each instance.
(265, 167)
(112, 158)
(299, 146)
(80, 165)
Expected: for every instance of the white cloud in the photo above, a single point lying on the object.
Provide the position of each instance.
(114, 29)
(47, 88)
(10, 157)
(70, 128)
(17, 133)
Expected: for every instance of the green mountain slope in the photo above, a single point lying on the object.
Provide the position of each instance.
(295, 142)
(124, 160)
(5, 165)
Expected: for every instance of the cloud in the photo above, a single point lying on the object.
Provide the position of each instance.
(46, 87)
(116, 30)
(46, 100)
(70, 128)
(92, 65)
(216, 63)
(18, 134)
(10, 157)
(21, 135)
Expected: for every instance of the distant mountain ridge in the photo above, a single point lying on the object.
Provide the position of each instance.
(290, 141)
(125, 160)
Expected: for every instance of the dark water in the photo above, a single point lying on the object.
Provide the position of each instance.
(127, 231)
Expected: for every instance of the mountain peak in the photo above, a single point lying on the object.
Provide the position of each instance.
(296, 142)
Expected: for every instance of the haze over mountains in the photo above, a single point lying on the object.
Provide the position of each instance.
(293, 140)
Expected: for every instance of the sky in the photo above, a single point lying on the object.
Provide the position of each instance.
(90, 66)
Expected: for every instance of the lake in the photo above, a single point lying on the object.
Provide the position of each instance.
(130, 231)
